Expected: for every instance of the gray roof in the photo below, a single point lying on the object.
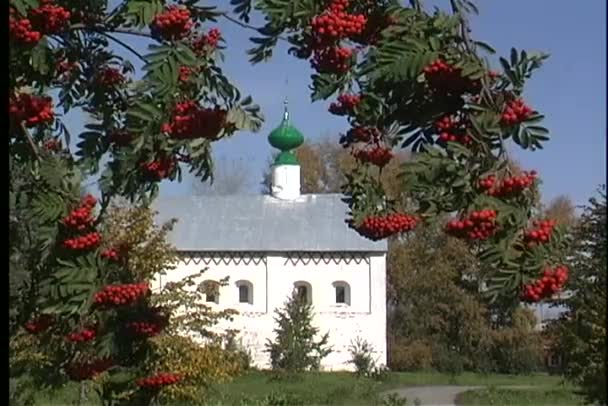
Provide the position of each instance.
(313, 223)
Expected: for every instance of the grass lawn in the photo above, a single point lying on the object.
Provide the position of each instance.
(343, 388)
(541, 396)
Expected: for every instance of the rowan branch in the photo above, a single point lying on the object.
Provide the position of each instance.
(30, 141)
(123, 44)
(227, 16)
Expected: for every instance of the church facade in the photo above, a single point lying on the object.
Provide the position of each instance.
(271, 245)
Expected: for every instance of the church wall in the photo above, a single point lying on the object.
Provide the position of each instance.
(273, 277)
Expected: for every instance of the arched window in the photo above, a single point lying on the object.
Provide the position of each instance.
(303, 291)
(342, 290)
(245, 291)
(212, 291)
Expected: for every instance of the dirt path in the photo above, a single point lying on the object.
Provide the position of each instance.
(439, 395)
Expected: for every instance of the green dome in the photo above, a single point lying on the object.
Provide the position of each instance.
(286, 138)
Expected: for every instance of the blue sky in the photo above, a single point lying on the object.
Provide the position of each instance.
(570, 90)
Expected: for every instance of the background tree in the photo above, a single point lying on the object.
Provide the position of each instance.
(323, 165)
(561, 209)
(295, 347)
(581, 331)
(229, 178)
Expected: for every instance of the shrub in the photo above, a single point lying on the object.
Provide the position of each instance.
(410, 355)
(199, 366)
(361, 356)
(517, 349)
(448, 360)
(295, 348)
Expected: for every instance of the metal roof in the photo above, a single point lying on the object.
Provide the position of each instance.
(262, 223)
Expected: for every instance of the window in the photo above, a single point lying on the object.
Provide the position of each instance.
(303, 291)
(342, 292)
(245, 291)
(212, 291)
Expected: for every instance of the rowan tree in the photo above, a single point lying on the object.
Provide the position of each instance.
(407, 77)
(403, 76)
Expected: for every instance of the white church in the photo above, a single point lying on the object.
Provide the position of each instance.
(269, 245)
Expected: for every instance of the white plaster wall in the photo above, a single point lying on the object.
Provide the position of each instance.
(273, 282)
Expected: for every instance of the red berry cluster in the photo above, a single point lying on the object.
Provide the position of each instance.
(508, 187)
(189, 121)
(208, 41)
(380, 227)
(83, 242)
(147, 328)
(159, 168)
(479, 225)
(21, 32)
(552, 281)
(515, 112)
(442, 76)
(121, 294)
(86, 370)
(158, 380)
(30, 109)
(360, 134)
(333, 59)
(184, 73)
(81, 218)
(82, 336)
(345, 105)
(541, 233)
(110, 77)
(172, 24)
(39, 324)
(378, 156)
(335, 24)
(451, 129)
(49, 18)
(111, 254)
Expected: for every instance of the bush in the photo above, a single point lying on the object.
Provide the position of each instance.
(295, 348)
(410, 356)
(517, 349)
(447, 360)
(200, 366)
(361, 356)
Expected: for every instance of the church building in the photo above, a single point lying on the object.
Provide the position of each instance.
(269, 245)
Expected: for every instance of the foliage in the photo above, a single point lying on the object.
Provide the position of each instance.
(361, 353)
(412, 69)
(144, 247)
(581, 331)
(295, 347)
(517, 349)
(438, 319)
(200, 366)
(149, 126)
(229, 178)
(63, 58)
(409, 355)
(562, 209)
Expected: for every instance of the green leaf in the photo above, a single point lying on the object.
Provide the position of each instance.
(323, 86)
(41, 55)
(142, 12)
(485, 46)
